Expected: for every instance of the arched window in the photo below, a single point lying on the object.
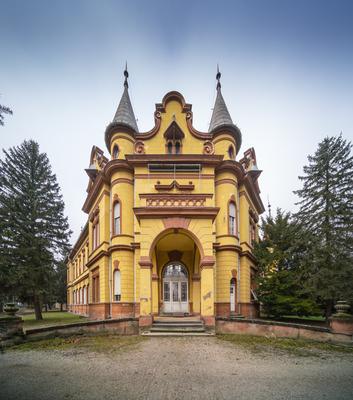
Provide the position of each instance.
(231, 152)
(116, 218)
(232, 218)
(117, 285)
(174, 270)
(115, 151)
(174, 137)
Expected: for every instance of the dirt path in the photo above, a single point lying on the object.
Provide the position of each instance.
(174, 368)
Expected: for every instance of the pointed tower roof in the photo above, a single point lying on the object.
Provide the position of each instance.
(125, 114)
(220, 115)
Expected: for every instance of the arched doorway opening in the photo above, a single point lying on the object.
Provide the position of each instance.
(175, 288)
(176, 274)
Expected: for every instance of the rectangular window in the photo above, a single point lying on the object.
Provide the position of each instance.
(174, 167)
(117, 218)
(95, 234)
(95, 289)
(117, 286)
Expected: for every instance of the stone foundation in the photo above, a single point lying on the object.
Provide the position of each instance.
(281, 330)
(121, 326)
(342, 325)
(145, 321)
(222, 309)
(123, 310)
(250, 310)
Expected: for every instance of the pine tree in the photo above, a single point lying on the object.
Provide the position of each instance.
(326, 214)
(34, 231)
(279, 256)
(4, 110)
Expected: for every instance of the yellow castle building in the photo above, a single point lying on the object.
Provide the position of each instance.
(172, 219)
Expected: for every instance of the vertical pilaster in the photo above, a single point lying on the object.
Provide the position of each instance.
(207, 291)
(145, 292)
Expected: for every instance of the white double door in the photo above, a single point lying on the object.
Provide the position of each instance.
(175, 295)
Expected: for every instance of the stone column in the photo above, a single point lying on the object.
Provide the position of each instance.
(342, 320)
(11, 330)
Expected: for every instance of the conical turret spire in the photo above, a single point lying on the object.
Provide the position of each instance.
(220, 114)
(125, 113)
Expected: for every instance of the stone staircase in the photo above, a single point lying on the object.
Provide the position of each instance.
(169, 326)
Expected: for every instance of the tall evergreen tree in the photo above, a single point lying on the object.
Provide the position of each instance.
(34, 231)
(280, 254)
(4, 110)
(326, 214)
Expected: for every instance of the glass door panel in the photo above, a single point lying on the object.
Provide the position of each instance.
(166, 295)
(175, 291)
(184, 291)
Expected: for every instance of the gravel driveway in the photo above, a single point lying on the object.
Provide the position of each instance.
(174, 368)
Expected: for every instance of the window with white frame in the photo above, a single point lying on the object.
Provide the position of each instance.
(117, 285)
(232, 218)
(117, 211)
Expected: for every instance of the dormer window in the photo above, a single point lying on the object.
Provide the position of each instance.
(174, 136)
(116, 151)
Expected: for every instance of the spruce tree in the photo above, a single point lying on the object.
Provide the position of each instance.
(34, 231)
(4, 110)
(280, 253)
(326, 214)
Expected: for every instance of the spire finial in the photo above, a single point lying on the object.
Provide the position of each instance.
(126, 74)
(218, 77)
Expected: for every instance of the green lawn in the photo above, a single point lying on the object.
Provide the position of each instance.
(102, 343)
(297, 347)
(51, 318)
(310, 318)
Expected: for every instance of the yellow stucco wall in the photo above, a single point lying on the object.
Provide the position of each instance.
(130, 251)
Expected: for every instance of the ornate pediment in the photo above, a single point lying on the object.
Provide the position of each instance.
(174, 185)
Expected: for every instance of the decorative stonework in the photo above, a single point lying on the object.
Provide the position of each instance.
(139, 147)
(174, 185)
(176, 201)
(208, 147)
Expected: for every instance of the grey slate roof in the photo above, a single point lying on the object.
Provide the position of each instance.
(220, 115)
(125, 114)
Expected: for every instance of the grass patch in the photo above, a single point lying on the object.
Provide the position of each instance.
(51, 318)
(309, 318)
(298, 347)
(102, 343)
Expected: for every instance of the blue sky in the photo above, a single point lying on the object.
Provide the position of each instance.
(287, 77)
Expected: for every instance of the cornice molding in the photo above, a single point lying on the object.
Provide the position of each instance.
(144, 159)
(164, 212)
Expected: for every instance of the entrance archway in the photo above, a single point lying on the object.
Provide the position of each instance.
(176, 274)
(175, 288)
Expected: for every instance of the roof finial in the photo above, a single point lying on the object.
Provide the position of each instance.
(126, 74)
(218, 77)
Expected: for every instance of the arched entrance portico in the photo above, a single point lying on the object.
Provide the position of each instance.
(176, 274)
